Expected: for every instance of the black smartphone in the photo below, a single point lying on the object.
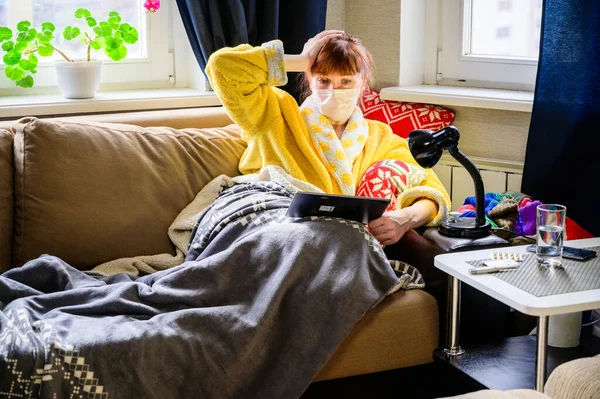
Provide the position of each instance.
(571, 253)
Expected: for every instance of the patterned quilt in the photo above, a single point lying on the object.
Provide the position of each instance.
(257, 309)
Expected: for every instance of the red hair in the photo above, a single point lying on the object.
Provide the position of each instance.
(343, 54)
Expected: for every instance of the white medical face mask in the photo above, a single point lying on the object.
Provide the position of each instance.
(336, 105)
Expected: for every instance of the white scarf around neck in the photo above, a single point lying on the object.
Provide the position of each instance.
(337, 154)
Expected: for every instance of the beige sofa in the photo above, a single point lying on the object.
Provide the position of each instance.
(91, 192)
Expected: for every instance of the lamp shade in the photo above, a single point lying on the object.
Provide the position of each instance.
(423, 149)
(427, 146)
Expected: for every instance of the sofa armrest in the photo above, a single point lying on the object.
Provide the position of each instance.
(454, 244)
(419, 252)
(420, 247)
(495, 394)
(575, 379)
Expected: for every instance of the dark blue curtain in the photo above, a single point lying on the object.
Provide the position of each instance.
(213, 24)
(562, 162)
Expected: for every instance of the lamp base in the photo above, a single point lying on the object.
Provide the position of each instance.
(464, 228)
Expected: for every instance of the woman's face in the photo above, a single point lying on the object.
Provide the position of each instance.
(335, 81)
(337, 105)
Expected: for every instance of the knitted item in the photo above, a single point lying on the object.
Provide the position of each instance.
(575, 231)
(527, 227)
(518, 240)
(404, 117)
(505, 213)
(511, 196)
(466, 208)
(572, 232)
(402, 183)
(389, 179)
(490, 201)
(526, 224)
(525, 201)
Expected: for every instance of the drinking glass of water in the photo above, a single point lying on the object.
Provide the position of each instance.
(550, 234)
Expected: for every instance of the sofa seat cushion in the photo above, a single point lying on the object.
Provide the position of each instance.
(91, 192)
(401, 331)
(6, 198)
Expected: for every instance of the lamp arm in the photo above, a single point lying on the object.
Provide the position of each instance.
(477, 180)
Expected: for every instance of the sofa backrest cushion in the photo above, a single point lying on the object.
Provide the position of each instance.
(91, 192)
(6, 198)
(176, 118)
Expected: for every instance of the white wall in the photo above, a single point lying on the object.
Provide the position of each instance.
(484, 133)
(490, 133)
(336, 14)
(377, 24)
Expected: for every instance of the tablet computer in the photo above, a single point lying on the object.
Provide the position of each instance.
(359, 209)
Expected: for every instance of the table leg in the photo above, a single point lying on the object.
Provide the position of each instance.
(542, 354)
(453, 329)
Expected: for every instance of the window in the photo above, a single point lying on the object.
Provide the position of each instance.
(504, 5)
(3, 12)
(501, 32)
(149, 62)
(490, 43)
(61, 14)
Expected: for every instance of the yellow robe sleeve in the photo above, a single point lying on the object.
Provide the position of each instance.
(244, 78)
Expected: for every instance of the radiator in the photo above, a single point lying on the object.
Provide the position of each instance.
(498, 176)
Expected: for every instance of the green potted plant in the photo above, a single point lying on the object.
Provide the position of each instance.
(77, 78)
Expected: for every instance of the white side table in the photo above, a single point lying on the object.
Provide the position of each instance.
(456, 266)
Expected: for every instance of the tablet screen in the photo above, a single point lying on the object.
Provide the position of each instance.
(359, 209)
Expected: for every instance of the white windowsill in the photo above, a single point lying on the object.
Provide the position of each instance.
(509, 100)
(107, 101)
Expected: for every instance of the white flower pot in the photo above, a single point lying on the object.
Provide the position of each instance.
(78, 79)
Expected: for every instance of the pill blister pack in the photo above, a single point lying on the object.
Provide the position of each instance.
(507, 256)
(498, 261)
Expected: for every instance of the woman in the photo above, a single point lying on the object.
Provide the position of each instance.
(326, 141)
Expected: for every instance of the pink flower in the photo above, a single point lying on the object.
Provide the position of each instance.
(152, 5)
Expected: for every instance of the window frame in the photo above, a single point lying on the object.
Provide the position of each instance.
(156, 70)
(457, 68)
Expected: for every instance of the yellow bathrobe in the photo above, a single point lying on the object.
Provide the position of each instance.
(273, 126)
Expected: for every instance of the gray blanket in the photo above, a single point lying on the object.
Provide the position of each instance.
(258, 307)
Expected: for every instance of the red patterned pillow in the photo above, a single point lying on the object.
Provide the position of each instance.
(404, 117)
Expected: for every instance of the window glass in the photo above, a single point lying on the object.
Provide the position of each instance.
(60, 13)
(503, 28)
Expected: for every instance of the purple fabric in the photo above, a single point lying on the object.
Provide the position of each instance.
(525, 225)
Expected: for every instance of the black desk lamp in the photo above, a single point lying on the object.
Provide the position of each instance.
(427, 147)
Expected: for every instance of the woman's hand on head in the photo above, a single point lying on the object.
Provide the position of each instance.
(314, 45)
(391, 227)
